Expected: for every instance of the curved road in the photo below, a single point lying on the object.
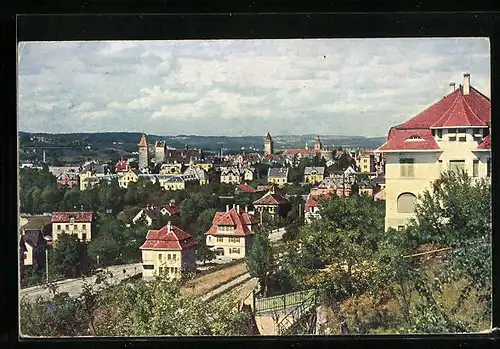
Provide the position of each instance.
(74, 286)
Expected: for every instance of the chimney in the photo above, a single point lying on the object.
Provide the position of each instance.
(238, 209)
(246, 208)
(227, 208)
(169, 226)
(452, 87)
(234, 205)
(466, 87)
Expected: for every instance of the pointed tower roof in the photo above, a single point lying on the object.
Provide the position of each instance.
(143, 142)
(268, 136)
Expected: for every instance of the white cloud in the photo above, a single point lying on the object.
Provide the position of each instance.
(241, 86)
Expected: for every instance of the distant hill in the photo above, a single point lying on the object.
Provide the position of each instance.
(112, 145)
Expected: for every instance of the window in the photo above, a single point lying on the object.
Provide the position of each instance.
(406, 203)
(475, 168)
(232, 239)
(160, 256)
(84, 236)
(406, 167)
(172, 270)
(434, 132)
(67, 226)
(488, 167)
(452, 130)
(148, 266)
(176, 269)
(58, 227)
(161, 270)
(462, 139)
(169, 256)
(457, 165)
(462, 130)
(174, 256)
(452, 139)
(486, 132)
(440, 133)
(220, 239)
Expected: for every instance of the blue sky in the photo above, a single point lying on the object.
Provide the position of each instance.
(241, 87)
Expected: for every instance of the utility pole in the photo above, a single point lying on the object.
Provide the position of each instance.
(47, 263)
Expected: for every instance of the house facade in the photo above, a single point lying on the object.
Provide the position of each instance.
(33, 248)
(231, 233)
(169, 250)
(453, 133)
(76, 223)
(311, 208)
(231, 176)
(273, 203)
(127, 177)
(277, 175)
(366, 162)
(313, 175)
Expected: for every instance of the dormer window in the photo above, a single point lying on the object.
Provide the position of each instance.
(72, 220)
(414, 138)
(452, 130)
(486, 132)
(440, 134)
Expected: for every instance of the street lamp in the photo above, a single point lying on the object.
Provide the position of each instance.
(47, 238)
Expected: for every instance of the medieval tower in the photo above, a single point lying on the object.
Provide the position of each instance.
(268, 145)
(317, 144)
(143, 152)
(159, 152)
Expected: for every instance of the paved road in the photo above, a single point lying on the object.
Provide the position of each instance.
(226, 286)
(74, 286)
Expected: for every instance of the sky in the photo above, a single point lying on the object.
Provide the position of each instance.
(349, 87)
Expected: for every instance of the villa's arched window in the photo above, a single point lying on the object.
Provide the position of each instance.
(406, 203)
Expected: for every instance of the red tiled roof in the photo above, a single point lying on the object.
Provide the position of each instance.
(400, 140)
(62, 217)
(143, 142)
(485, 144)
(313, 200)
(173, 210)
(246, 188)
(459, 114)
(241, 221)
(121, 166)
(453, 110)
(165, 238)
(271, 199)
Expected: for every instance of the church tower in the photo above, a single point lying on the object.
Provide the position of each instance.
(143, 153)
(317, 144)
(268, 145)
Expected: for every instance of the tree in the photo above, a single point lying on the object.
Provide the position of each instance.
(67, 258)
(456, 212)
(260, 259)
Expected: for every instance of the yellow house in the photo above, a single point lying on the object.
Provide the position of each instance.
(169, 250)
(453, 133)
(171, 169)
(278, 176)
(78, 223)
(168, 182)
(231, 233)
(314, 175)
(130, 176)
(199, 173)
(366, 162)
(207, 166)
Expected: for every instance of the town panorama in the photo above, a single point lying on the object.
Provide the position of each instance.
(290, 231)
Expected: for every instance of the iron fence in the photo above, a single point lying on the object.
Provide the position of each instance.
(281, 302)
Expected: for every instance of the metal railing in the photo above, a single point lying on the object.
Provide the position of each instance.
(281, 302)
(290, 319)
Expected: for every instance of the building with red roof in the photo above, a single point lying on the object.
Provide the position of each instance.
(273, 203)
(168, 250)
(311, 208)
(78, 223)
(451, 134)
(243, 187)
(231, 233)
